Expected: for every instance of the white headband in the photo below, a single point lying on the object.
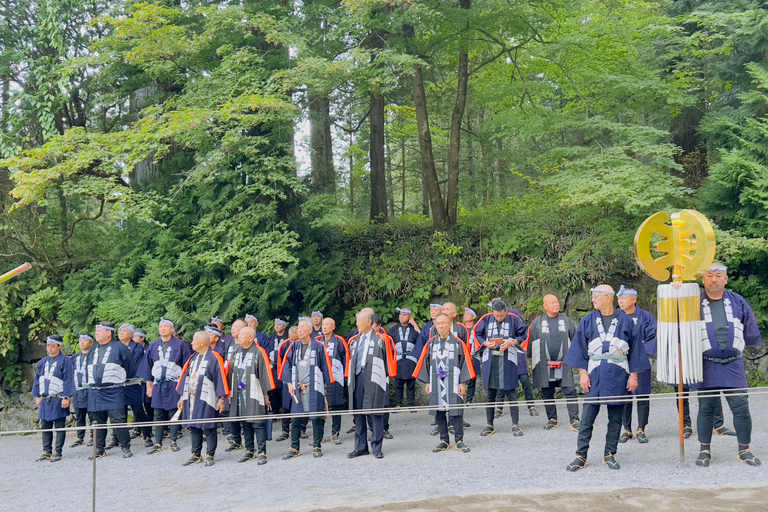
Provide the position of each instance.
(211, 330)
(470, 310)
(106, 328)
(280, 322)
(85, 337)
(436, 306)
(164, 321)
(626, 291)
(404, 310)
(597, 290)
(717, 266)
(251, 316)
(54, 341)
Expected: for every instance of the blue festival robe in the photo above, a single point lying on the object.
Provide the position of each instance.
(282, 350)
(512, 327)
(380, 364)
(455, 362)
(163, 369)
(80, 364)
(220, 348)
(264, 341)
(250, 378)
(338, 352)
(135, 388)
(405, 340)
(54, 381)
(203, 380)
(320, 376)
(274, 358)
(589, 351)
(743, 331)
(645, 323)
(109, 366)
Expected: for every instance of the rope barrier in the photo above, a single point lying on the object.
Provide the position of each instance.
(347, 412)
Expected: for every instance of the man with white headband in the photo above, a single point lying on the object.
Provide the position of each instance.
(140, 337)
(262, 339)
(53, 388)
(276, 395)
(730, 325)
(404, 335)
(608, 355)
(470, 319)
(134, 388)
(161, 370)
(110, 364)
(317, 324)
(80, 400)
(226, 339)
(645, 324)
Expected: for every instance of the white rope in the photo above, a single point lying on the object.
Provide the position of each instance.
(226, 419)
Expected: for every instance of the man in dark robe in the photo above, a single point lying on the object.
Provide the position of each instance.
(317, 324)
(729, 326)
(307, 375)
(499, 334)
(110, 365)
(645, 324)
(161, 370)
(250, 381)
(470, 319)
(53, 389)
(140, 337)
(608, 355)
(338, 352)
(203, 388)
(549, 338)
(404, 336)
(276, 395)
(445, 368)
(372, 362)
(80, 400)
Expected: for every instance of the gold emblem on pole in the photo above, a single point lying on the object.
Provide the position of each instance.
(687, 245)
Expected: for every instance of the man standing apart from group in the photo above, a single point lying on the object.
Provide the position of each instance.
(609, 356)
(730, 325)
(549, 339)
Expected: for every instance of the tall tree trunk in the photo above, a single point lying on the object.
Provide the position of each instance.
(351, 175)
(454, 144)
(378, 174)
(321, 144)
(390, 184)
(429, 172)
(402, 162)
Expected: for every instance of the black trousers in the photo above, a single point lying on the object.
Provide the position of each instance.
(165, 415)
(300, 424)
(251, 430)
(739, 404)
(471, 387)
(336, 420)
(497, 395)
(233, 429)
(525, 383)
(81, 413)
(719, 418)
(569, 392)
(114, 416)
(587, 424)
(643, 411)
(211, 440)
(377, 421)
(140, 415)
(410, 389)
(442, 426)
(61, 435)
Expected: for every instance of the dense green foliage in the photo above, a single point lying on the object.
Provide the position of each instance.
(150, 165)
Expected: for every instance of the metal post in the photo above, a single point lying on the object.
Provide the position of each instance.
(681, 423)
(93, 489)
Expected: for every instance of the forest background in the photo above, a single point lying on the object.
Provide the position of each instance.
(192, 159)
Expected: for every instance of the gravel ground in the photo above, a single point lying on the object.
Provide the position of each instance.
(499, 473)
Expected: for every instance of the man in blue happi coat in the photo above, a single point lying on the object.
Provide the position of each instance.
(110, 365)
(645, 323)
(729, 326)
(338, 352)
(161, 370)
(609, 357)
(499, 334)
(53, 389)
(80, 400)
